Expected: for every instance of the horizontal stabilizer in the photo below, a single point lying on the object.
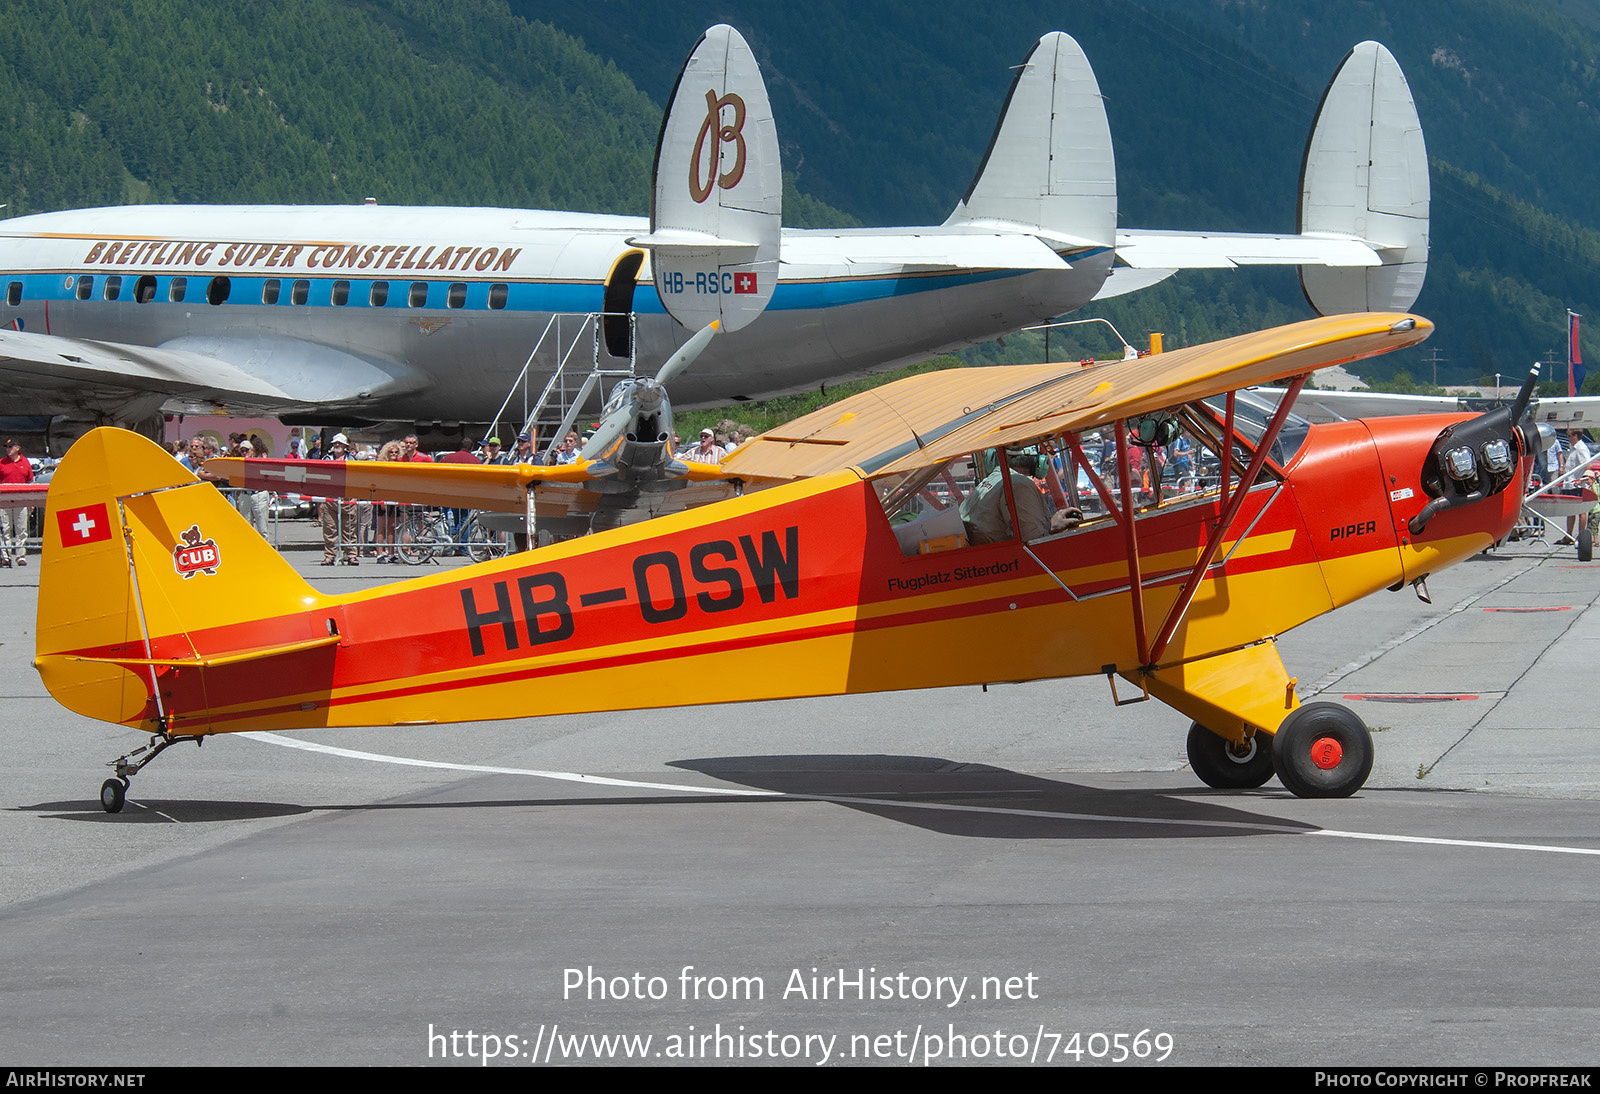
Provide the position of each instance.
(923, 249)
(682, 239)
(1225, 250)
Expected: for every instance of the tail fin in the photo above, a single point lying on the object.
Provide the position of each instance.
(1365, 174)
(716, 207)
(156, 597)
(1049, 169)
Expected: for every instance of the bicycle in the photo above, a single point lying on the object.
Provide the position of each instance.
(429, 532)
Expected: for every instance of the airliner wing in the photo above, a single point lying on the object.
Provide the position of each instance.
(499, 488)
(924, 420)
(475, 486)
(51, 369)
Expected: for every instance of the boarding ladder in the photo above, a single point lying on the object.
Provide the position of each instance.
(571, 393)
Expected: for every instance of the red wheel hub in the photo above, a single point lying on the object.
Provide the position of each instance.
(1326, 753)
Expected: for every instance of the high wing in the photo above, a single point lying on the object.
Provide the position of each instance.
(924, 420)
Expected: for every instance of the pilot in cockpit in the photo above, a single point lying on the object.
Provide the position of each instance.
(988, 518)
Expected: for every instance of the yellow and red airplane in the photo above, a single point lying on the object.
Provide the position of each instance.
(1221, 527)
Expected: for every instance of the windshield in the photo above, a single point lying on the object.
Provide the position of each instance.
(1252, 412)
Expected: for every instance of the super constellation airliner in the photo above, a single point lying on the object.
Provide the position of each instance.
(334, 313)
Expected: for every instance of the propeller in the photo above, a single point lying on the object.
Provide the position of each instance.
(1477, 458)
(642, 397)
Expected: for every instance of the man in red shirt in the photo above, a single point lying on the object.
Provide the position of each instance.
(409, 453)
(14, 468)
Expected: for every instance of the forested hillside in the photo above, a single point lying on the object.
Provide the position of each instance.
(883, 109)
(414, 101)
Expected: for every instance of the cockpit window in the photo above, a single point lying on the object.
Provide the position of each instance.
(1252, 413)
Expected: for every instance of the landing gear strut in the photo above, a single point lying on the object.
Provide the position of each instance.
(114, 792)
(1322, 750)
(1229, 765)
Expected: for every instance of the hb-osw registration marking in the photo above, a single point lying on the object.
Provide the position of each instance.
(722, 571)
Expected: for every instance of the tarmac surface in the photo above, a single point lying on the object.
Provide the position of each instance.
(1026, 874)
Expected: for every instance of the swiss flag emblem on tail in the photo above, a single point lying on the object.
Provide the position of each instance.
(87, 524)
(744, 282)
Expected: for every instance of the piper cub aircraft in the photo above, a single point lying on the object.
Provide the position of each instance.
(369, 313)
(887, 556)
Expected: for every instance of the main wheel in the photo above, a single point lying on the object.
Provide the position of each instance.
(1226, 765)
(112, 795)
(1322, 750)
(1585, 543)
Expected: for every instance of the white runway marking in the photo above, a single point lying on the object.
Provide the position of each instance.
(841, 799)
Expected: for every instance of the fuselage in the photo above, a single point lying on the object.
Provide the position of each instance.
(798, 590)
(431, 313)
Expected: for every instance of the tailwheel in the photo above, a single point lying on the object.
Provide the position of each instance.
(113, 792)
(1228, 765)
(1322, 750)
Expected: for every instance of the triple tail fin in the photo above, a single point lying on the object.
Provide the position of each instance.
(1365, 175)
(1049, 169)
(716, 205)
(156, 598)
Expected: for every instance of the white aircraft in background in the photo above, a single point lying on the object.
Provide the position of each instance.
(324, 314)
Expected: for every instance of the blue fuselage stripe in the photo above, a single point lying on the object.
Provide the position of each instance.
(521, 296)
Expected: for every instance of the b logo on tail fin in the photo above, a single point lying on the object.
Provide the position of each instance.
(725, 134)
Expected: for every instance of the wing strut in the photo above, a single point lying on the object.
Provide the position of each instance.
(1131, 537)
(1231, 510)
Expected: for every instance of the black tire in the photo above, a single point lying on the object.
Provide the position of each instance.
(1225, 765)
(1585, 542)
(1321, 734)
(482, 544)
(112, 795)
(415, 540)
